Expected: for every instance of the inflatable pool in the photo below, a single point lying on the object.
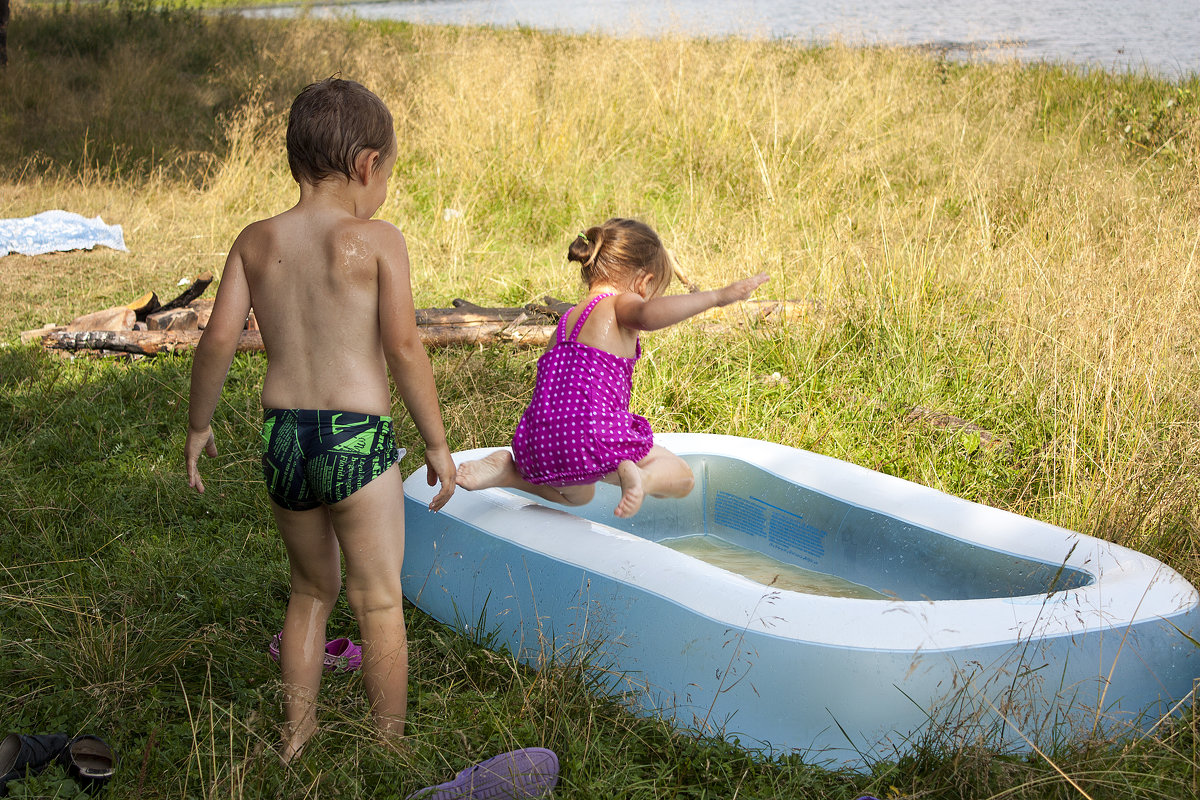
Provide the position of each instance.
(947, 619)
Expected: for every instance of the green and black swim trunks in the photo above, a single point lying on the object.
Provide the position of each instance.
(311, 457)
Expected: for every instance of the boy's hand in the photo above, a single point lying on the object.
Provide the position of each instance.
(439, 468)
(197, 442)
(740, 290)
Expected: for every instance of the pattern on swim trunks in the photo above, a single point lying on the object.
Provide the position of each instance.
(312, 457)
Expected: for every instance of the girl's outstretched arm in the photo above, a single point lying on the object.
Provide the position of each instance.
(638, 314)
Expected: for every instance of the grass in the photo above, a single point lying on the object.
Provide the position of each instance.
(1011, 244)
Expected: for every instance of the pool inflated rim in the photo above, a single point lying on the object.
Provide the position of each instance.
(1128, 587)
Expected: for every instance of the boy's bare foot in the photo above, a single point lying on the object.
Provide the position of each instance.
(494, 469)
(397, 743)
(632, 493)
(294, 741)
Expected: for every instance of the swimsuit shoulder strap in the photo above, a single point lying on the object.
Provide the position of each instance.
(583, 317)
(561, 334)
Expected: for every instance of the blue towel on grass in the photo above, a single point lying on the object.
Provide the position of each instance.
(53, 231)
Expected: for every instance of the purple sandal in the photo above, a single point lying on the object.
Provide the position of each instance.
(517, 775)
(341, 655)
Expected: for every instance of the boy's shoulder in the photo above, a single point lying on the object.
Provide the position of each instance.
(261, 230)
(293, 227)
(375, 229)
(380, 235)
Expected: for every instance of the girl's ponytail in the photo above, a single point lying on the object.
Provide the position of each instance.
(617, 251)
(585, 248)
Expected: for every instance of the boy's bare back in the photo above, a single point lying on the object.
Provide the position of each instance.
(329, 290)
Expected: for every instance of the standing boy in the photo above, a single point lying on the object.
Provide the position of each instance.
(330, 289)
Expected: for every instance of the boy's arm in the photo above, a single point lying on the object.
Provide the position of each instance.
(636, 313)
(211, 361)
(408, 361)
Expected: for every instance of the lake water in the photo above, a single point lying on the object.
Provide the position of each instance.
(1158, 36)
(766, 570)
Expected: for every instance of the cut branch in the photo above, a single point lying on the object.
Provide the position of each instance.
(191, 293)
(149, 343)
(940, 419)
(146, 343)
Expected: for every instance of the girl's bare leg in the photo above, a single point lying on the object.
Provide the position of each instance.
(498, 470)
(660, 474)
(315, 582)
(370, 529)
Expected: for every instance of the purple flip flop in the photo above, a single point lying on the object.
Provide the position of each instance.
(341, 655)
(516, 775)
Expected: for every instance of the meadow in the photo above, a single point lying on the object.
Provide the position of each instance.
(1014, 245)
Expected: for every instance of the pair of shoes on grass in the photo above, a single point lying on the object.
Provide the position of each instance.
(341, 655)
(86, 759)
(517, 775)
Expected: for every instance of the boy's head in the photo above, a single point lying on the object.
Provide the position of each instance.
(330, 124)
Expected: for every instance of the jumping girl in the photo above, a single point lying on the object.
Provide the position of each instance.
(578, 429)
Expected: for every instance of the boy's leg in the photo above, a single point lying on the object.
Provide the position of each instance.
(498, 469)
(370, 529)
(660, 474)
(315, 582)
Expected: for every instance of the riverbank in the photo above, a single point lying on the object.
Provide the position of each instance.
(1013, 245)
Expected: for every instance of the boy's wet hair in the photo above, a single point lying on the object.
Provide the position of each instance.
(617, 251)
(330, 124)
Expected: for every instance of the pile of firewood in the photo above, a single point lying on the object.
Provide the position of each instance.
(147, 327)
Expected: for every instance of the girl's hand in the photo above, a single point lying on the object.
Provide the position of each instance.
(740, 290)
(439, 468)
(198, 442)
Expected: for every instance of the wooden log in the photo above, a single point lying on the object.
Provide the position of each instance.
(203, 308)
(175, 319)
(146, 343)
(191, 293)
(680, 275)
(468, 311)
(940, 419)
(118, 318)
(469, 314)
(37, 334)
(145, 305)
(485, 333)
(551, 307)
(154, 342)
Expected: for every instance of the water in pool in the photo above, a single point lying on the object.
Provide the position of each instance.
(766, 570)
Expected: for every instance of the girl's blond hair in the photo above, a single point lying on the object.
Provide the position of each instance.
(618, 251)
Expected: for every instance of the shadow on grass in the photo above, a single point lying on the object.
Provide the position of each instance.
(130, 87)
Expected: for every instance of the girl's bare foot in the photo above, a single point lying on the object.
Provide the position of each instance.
(632, 493)
(495, 469)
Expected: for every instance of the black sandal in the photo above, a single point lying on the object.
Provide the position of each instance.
(22, 755)
(89, 761)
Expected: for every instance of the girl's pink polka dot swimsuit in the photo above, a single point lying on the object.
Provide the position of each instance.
(578, 426)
